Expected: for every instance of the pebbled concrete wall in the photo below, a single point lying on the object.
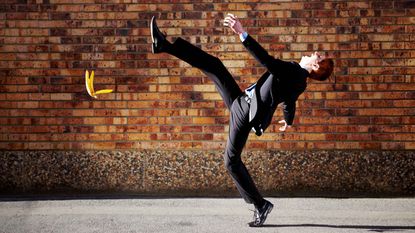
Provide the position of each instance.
(202, 173)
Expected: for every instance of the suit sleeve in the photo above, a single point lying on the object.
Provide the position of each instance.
(262, 56)
(288, 108)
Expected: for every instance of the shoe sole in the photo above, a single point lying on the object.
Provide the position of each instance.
(152, 35)
(153, 48)
(151, 29)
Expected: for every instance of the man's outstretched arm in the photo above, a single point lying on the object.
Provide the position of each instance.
(257, 51)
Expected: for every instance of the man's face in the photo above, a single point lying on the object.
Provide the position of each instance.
(312, 60)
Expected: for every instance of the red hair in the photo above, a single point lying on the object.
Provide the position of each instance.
(324, 71)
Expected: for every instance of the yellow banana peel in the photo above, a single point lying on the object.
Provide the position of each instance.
(89, 83)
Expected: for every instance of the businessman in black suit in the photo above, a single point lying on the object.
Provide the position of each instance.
(253, 108)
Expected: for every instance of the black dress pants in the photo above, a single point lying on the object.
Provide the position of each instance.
(239, 126)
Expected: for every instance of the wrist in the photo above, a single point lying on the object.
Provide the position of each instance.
(241, 32)
(243, 36)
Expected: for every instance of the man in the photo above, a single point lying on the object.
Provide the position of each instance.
(253, 108)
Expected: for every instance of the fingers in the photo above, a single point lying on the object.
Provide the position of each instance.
(232, 16)
(229, 22)
(233, 23)
(284, 127)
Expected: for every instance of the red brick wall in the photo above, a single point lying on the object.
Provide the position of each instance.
(161, 103)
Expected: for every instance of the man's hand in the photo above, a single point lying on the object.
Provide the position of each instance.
(233, 23)
(285, 126)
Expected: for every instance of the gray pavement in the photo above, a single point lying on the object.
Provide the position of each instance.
(206, 215)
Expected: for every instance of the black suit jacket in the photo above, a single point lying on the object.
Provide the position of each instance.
(283, 82)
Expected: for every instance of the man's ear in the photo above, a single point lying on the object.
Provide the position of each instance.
(315, 66)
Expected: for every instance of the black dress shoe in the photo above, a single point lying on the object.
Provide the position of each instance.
(159, 39)
(261, 214)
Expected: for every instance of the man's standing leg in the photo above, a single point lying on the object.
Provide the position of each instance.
(239, 129)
